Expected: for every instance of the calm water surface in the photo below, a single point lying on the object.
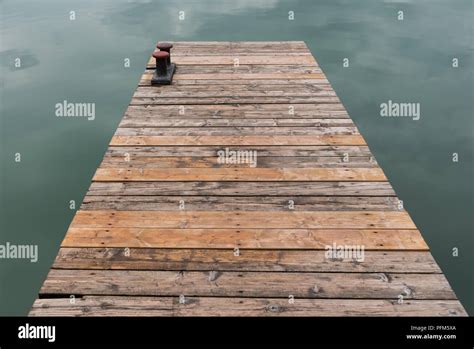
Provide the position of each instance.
(82, 61)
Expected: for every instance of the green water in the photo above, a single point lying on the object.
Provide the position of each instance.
(82, 60)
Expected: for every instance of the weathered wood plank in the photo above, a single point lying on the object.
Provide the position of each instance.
(220, 48)
(241, 203)
(263, 151)
(232, 47)
(249, 76)
(234, 99)
(207, 306)
(82, 235)
(249, 44)
(276, 45)
(240, 60)
(146, 81)
(322, 110)
(239, 174)
(258, 162)
(238, 140)
(234, 122)
(208, 51)
(249, 189)
(252, 45)
(233, 91)
(247, 260)
(264, 75)
(244, 219)
(248, 69)
(248, 284)
(225, 92)
(209, 79)
(236, 131)
(284, 86)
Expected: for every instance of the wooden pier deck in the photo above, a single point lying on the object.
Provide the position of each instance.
(168, 230)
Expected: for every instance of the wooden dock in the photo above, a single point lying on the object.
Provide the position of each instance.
(166, 229)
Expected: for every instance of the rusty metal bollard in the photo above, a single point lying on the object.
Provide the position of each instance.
(166, 47)
(163, 73)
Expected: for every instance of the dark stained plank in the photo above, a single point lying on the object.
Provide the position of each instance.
(241, 203)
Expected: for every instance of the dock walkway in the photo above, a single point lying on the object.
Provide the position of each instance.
(168, 228)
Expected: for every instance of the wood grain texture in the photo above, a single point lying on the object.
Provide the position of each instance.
(142, 162)
(242, 174)
(241, 59)
(280, 99)
(248, 238)
(247, 260)
(232, 131)
(250, 90)
(168, 229)
(240, 203)
(248, 284)
(247, 68)
(245, 219)
(287, 151)
(210, 306)
(237, 140)
(293, 75)
(141, 122)
(295, 189)
(249, 76)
